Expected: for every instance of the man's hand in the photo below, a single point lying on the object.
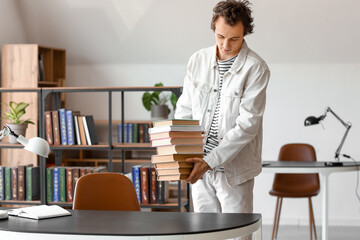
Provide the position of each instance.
(200, 167)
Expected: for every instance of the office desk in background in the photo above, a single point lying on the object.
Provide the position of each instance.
(313, 167)
(117, 225)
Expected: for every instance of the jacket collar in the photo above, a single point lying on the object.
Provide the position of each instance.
(239, 61)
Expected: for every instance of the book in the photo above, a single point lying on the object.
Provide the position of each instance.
(172, 171)
(119, 136)
(69, 184)
(62, 122)
(56, 185)
(162, 192)
(175, 135)
(174, 157)
(174, 177)
(153, 185)
(144, 177)
(129, 133)
(21, 182)
(141, 133)
(169, 122)
(136, 180)
(49, 184)
(39, 212)
(70, 127)
(90, 130)
(82, 130)
(14, 183)
(170, 149)
(2, 183)
(32, 183)
(174, 165)
(175, 128)
(77, 130)
(56, 128)
(41, 68)
(146, 133)
(135, 134)
(176, 141)
(48, 128)
(62, 184)
(75, 175)
(8, 183)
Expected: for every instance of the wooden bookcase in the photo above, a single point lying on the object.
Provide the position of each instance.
(22, 68)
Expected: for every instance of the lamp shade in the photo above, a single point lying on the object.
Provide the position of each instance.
(312, 120)
(36, 145)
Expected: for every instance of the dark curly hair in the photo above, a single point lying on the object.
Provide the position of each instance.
(234, 12)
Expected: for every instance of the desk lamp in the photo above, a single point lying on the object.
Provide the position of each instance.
(316, 120)
(36, 145)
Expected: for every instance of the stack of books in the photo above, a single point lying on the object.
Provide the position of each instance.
(175, 141)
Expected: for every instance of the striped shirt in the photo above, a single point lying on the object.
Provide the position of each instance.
(212, 140)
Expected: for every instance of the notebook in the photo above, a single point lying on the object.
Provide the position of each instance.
(39, 212)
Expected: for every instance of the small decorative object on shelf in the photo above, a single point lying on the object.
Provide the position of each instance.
(17, 110)
(156, 102)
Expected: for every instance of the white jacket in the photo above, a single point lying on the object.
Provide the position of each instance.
(241, 110)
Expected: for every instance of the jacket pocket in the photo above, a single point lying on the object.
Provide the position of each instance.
(231, 106)
(200, 98)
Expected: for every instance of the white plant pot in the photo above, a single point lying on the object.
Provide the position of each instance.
(159, 112)
(19, 129)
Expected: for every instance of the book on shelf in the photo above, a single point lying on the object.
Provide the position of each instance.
(22, 182)
(48, 127)
(2, 183)
(41, 68)
(173, 134)
(171, 149)
(173, 171)
(70, 127)
(8, 183)
(90, 130)
(39, 212)
(81, 130)
(175, 128)
(69, 184)
(77, 130)
(136, 180)
(168, 122)
(173, 177)
(176, 141)
(49, 184)
(144, 177)
(14, 183)
(162, 191)
(56, 186)
(32, 183)
(62, 184)
(62, 122)
(56, 127)
(153, 185)
(166, 165)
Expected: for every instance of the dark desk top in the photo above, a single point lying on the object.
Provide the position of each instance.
(131, 223)
(279, 164)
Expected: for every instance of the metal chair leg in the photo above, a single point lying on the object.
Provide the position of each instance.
(278, 219)
(312, 218)
(275, 218)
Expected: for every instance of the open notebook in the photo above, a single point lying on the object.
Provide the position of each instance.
(39, 212)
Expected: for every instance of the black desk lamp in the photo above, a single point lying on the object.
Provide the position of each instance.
(316, 120)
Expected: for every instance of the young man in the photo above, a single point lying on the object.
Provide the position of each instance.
(225, 89)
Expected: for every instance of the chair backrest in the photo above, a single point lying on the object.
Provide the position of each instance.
(105, 191)
(297, 185)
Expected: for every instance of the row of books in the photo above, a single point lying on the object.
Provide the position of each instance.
(175, 141)
(148, 189)
(60, 181)
(67, 127)
(133, 133)
(20, 183)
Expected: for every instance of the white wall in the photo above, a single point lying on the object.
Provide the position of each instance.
(311, 47)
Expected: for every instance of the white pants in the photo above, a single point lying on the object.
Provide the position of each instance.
(214, 194)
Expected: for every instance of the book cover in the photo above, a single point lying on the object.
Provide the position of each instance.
(49, 184)
(168, 122)
(8, 189)
(2, 183)
(32, 183)
(69, 184)
(21, 182)
(179, 149)
(174, 157)
(141, 133)
(173, 165)
(146, 133)
(14, 183)
(63, 132)
(56, 127)
(175, 128)
(136, 180)
(176, 141)
(153, 185)
(119, 137)
(48, 128)
(90, 130)
(77, 131)
(162, 192)
(174, 177)
(126, 132)
(144, 177)
(135, 133)
(62, 184)
(56, 186)
(82, 131)
(173, 171)
(175, 135)
(70, 127)
(130, 133)
(76, 175)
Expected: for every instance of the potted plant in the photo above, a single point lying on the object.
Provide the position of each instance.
(17, 110)
(156, 102)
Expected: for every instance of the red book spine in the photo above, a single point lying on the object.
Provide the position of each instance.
(69, 185)
(153, 184)
(144, 178)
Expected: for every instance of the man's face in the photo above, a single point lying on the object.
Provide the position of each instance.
(229, 39)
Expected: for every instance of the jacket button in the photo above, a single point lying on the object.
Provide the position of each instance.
(215, 90)
(209, 110)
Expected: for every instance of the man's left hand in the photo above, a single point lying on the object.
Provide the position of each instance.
(200, 167)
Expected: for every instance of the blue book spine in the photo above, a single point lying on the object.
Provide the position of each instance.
(70, 127)
(136, 181)
(130, 133)
(62, 119)
(56, 191)
(119, 133)
(2, 183)
(126, 132)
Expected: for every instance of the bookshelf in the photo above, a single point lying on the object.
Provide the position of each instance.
(110, 146)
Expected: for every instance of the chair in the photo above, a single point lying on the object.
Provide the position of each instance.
(295, 185)
(105, 191)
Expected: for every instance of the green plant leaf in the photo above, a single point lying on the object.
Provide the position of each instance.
(146, 99)
(159, 84)
(173, 100)
(21, 107)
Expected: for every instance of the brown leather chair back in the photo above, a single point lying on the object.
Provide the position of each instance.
(105, 191)
(296, 185)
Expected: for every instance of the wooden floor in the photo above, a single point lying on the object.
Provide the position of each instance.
(302, 233)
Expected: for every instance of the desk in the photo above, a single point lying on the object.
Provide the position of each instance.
(312, 167)
(133, 225)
